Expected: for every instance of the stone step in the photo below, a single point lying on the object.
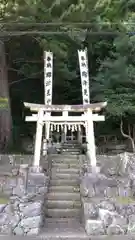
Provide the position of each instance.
(66, 165)
(71, 149)
(71, 141)
(70, 189)
(64, 170)
(62, 220)
(63, 196)
(71, 153)
(63, 229)
(59, 175)
(75, 143)
(66, 160)
(66, 155)
(65, 182)
(56, 212)
(71, 146)
(63, 204)
(62, 234)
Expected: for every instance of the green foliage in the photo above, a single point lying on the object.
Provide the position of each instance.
(116, 78)
(111, 57)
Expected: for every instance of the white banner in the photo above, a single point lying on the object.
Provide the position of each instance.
(48, 77)
(84, 72)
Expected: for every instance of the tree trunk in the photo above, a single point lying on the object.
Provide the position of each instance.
(127, 136)
(5, 110)
(134, 132)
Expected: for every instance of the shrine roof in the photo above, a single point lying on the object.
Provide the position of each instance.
(71, 108)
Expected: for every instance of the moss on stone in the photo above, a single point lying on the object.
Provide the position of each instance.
(4, 199)
(125, 200)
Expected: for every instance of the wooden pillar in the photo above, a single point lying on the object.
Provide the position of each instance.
(86, 130)
(91, 148)
(44, 147)
(62, 136)
(65, 114)
(38, 140)
(79, 134)
(47, 134)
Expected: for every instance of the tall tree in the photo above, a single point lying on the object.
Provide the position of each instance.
(115, 82)
(5, 110)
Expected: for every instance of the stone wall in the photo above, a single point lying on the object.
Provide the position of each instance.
(22, 197)
(108, 197)
(16, 159)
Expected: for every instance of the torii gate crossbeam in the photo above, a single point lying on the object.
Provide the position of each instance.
(88, 117)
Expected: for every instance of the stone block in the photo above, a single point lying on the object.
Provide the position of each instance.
(94, 227)
(115, 230)
(83, 190)
(111, 192)
(110, 165)
(130, 209)
(120, 221)
(33, 231)
(42, 190)
(5, 229)
(131, 224)
(108, 205)
(118, 226)
(30, 222)
(12, 182)
(18, 231)
(2, 207)
(32, 209)
(91, 191)
(124, 191)
(35, 169)
(106, 217)
(20, 188)
(15, 171)
(4, 219)
(125, 181)
(37, 179)
(121, 209)
(99, 191)
(91, 210)
(23, 170)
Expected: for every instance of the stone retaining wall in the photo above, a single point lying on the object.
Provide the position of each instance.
(108, 197)
(25, 158)
(16, 159)
(22, 200)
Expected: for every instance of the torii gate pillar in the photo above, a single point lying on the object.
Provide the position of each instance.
(38, 139)
(91, 147)
(64, 114)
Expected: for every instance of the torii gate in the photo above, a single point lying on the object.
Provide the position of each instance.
(87, 118)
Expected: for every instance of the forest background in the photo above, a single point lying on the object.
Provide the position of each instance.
(28, 28)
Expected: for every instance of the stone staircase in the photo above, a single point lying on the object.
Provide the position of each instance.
(63, 204)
